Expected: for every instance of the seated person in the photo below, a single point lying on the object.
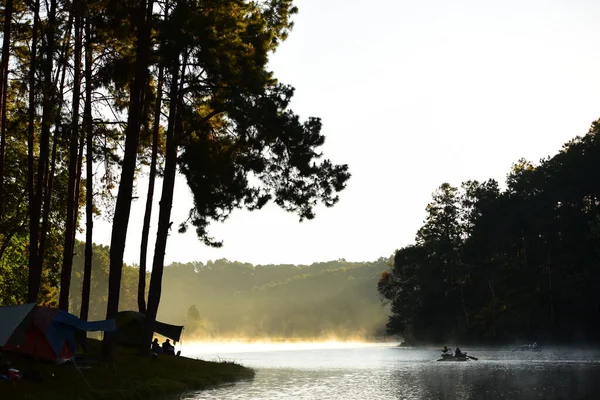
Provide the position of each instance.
(167, 348)
(155, 347)
(459, 353)
(446, 351)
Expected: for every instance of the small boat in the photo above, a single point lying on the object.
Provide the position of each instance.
(452, 358)
(527, 347)
(449, 357)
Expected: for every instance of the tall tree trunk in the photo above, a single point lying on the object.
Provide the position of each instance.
(60, 71)
(77, 193)
(78, 189)
(35, 270)
(493, 293)
(464, 305)
(47, 111)
(132, 137)
(150, 196)
(47, 201)
(65, 276)
(8, 9)
(550, 292)
(89, 205)
(164, 214)
(62, 62)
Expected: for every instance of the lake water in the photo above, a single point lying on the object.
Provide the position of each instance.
(384, 371)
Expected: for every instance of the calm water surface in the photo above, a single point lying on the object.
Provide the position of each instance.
(384, 371)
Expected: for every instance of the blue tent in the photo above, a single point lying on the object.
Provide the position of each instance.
(49, 333)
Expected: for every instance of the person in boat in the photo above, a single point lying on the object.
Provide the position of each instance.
(446, 350)
(458, 353)
(534, 345)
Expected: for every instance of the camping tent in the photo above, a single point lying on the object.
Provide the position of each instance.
(49, 333)
(130, 328)
(10, 318)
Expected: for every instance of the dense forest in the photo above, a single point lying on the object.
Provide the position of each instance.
(506, 264)
(97, 94)
(227, 299)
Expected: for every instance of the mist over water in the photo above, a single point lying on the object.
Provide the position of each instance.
(225, 349)
(355, 370)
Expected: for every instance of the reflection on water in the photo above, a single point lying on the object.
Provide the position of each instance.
(383, 371)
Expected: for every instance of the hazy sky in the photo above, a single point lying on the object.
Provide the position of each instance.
(412, 94)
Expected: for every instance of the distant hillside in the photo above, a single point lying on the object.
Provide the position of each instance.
(234, 299)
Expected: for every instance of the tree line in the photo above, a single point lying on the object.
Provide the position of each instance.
(230, 299)
(494, 264)
(95, 92)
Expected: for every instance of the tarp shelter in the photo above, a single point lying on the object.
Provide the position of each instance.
(49, 333)
(130, 328)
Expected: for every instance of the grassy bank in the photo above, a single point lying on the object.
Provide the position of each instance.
(127, 377)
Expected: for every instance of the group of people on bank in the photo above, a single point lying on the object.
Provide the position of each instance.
(166, 348)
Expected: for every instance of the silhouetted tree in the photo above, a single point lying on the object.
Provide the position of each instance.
(232, 121)
(518, 263)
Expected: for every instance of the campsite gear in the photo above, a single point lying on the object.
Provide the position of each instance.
(47, 333)
(130, 329)
(13, 374)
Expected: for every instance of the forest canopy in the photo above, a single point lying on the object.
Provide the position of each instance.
(505, 264)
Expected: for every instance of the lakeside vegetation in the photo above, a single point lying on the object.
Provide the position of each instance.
(519, 263)
(230, 299)
(128, 377)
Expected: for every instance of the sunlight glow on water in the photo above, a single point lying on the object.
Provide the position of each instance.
(353, 370)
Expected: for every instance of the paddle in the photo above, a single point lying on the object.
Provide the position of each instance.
(473, 358)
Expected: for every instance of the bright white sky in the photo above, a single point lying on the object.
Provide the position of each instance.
(412, 94)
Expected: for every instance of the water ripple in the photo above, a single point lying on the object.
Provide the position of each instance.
(385, 372)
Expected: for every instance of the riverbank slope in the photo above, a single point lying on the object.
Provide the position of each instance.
(127, 377)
